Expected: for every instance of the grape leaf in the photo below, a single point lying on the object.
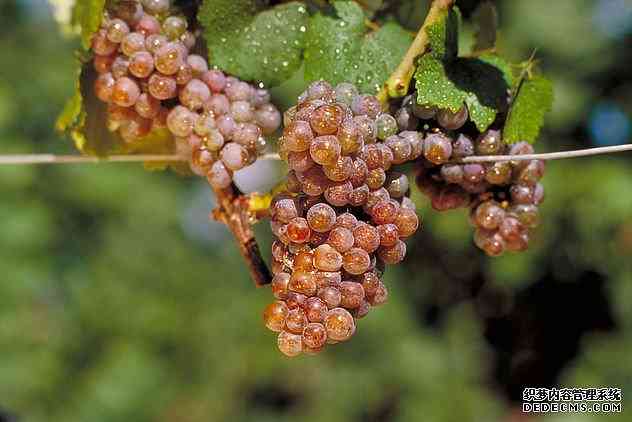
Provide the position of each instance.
(84, 120)
(87, 15)
(341, 50)
(533, 99)
(443, 35)
(480, 82)
(486, 18)
(263, 46)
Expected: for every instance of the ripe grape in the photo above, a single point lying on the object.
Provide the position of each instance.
(452, 120)
(339, 324)
(290, 344)
(275, 315)
(125, 92)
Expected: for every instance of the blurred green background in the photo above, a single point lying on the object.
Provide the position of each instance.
(119, 301)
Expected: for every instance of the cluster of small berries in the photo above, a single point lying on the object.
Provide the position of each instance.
(150, 79)
(344, 215)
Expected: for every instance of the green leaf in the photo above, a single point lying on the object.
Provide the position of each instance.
(443, 35)
(257, 46)
(486, 18)
(342, 50)
(482, 83)
(84, 120)
(87, 14)
(533, 99)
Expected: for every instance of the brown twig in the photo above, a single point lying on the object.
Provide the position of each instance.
(397, 84)
(233, 211)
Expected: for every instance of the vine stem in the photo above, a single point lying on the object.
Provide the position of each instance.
(233, 210)
(397, 84)
(25, 159)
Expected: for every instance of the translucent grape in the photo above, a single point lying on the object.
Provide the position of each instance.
(241, 111)
(380, 296)
(489, 143)
(450, 120)
(407, 222)
(389, 234)
(437, 148)
(104, 86)
(296, 320)
(385, 212)
(352, 294)
(162, 87)
(326, 258)
(401, 148)
(148, 25)
(339, 324)
(370, 283)
(396, 184)
(268, 118)
(238, 91)
(218, 104)
(325, 150)
(326, 119)
(330, 296)
(321, 218)
(180, 121)
(168, 59)
(490, 241)
(284, 210)
(341, 239)
(290, 344)
(366, 237)
(356, 260)
(154, 42)
(101, 45)
(489, 215)
(147, 106)
(498, 173)
(156, 7)
(173, 27)
(452, 173)
(274, 315)
(367, 128)
(302, 282)
(226, 125)
(141, 64)
(120, 67)
(279, 285)
(366, 105)
(117, 30)
(359, 196)
(392, 254)
(346, 220)
(386, 126)
(195, 94)
(315, 309)
(298, 230)
(528, 215)
(234, 156)
(314, 335)
(215, 79)
(133, 43)
(345, 92)
(337, 194)
(219, 176)
(359, 173)
(103, 64)
(125, 92)
(473, 173)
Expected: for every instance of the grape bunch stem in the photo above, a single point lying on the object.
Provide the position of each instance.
(397, 84)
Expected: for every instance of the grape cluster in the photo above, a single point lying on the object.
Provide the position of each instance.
(503, 196)
(344, 215)
(150, 79)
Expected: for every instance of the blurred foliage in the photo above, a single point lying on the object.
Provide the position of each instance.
(110, 310)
